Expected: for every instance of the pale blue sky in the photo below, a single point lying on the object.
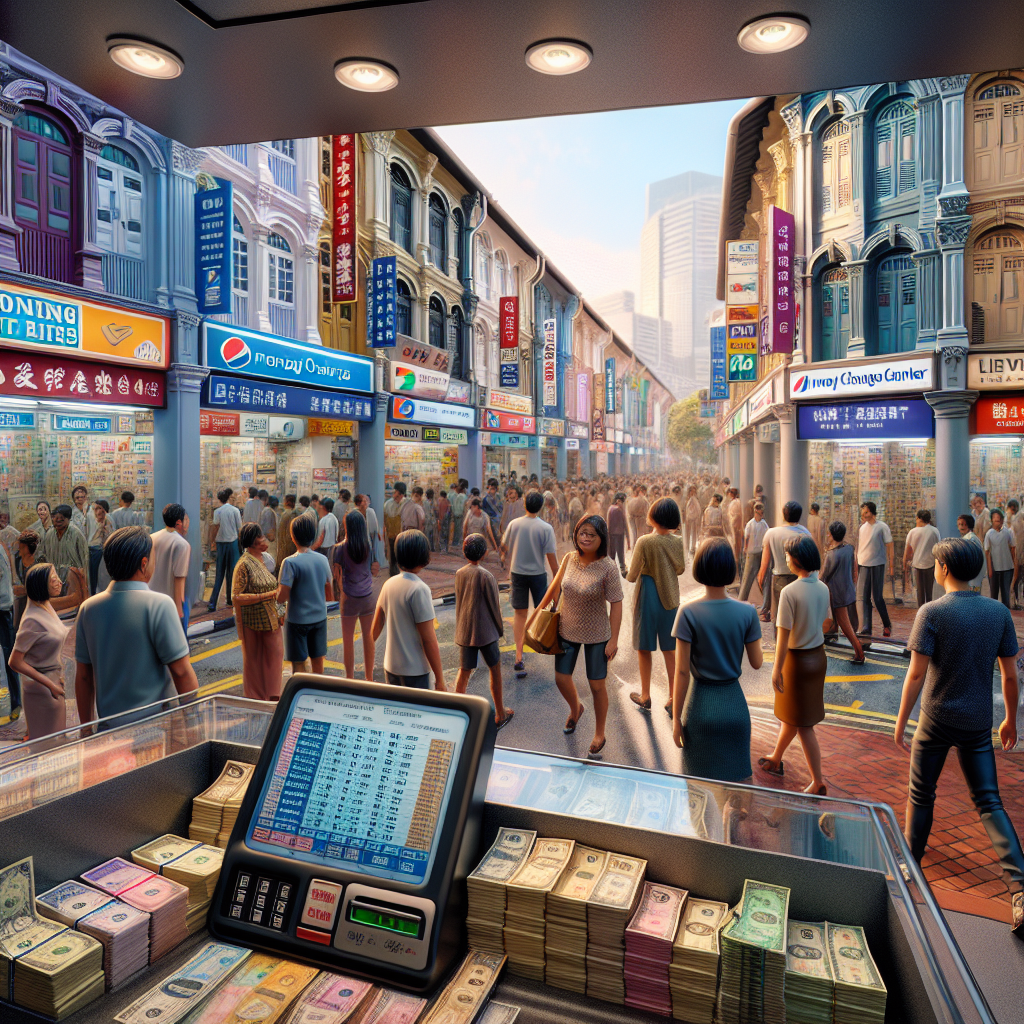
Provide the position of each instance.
(576, 183)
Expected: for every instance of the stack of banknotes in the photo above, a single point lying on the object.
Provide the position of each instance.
(121, 930)
(859, 990)
(386, 1006)
(649, 938)
(810, 988)
(565, 936)
(165, 901)
(609, 909)
(330, 999)
(693, 973)
(193, 865)
(461, 1000)
(214, 811)
(526, 895)
(753, 978)
(485, 918)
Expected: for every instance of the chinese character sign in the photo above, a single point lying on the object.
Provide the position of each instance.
(508, 313)
(28, 375)
(781, 319)
(214, 217)
(583, 396)
(550, 366)
(381, 316)
(609, 385)
(262, 396)
(343, 236)
(719, 391)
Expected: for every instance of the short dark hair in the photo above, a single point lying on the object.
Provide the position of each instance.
(815, 507)
(969, 520)
(792, 511)
(128, 497)
(345, 495)
(303, 531)
(837, 528)
(620, 495)
(304, 501)
(291, 498)
(715, 497)
(962, 558)
(37, 582)
(173, 514)
(665, 513)
(63, 510)
(997, 512)
(714, 565)
(262, 493)
(475, 503)
(492, 482)
(412, 551)
(249, 534)
(224, 495)
(124, 551)
(314, 497)
(273, 500)
(430, 494)
(924, 515)
(1014, 504)
(30, 539)
(328, 503)
(474, 547)
(534, 501)
(870, 506)
(77, 488)
(600, 528)
(230, 491)
(400, 487)
(253, 492)
(417, 490)
(103, 504)
(804, 552)
(758, 507)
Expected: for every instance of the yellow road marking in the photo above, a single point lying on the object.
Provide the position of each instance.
(219, 685)
(857, 679)
(216, 650)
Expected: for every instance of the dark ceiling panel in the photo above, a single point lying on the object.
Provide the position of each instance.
(462, 60)
(230, 13)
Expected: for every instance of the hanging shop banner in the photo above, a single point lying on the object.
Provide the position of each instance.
(741, 353)
(708, 410)
(742, 314)
(74, 424)
(583, 395)
(459, 391)
(44, 321)
(549, 365)
(329, 428)
(609, 385)
(1002, 370)
(597, 424)
(214, 218)
(233, 424)
(867, 379)
(246, 395)
(380, 313)
(407, 379)
(430, 435)
(51, 377)
(719, 390)
(763, 398)
(780, 321)
(427, 356)
(343, 232)
(549, 427)
(509, 441)
(414, 410)
(579, 430)
(20, 421)
(511, 422)
(572, 444)
(741, 273)
(252, 354)
(504, 402)
(998, 414)
(892, 420)
(508, 313)
(508, 373)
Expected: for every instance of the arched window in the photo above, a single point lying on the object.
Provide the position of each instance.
(836, 180)
(835, 313)
(998, 287)
(239, 259)
(500, 273)
(896, 290)
(896, 155)
(438, 233)
(282, 164)
(280, 286)
(436, 330)
(456, 341)
(43, 196)
(119, 203)
(401, 208)
(997, 136)
(483, 268)
(403, 308)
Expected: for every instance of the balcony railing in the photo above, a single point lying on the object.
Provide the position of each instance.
(240, 315)
(283, 172)
(239, 153)
(282, 319)
(44, 254)
(125, 276)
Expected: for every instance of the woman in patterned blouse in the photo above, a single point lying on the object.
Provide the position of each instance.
(254, 599)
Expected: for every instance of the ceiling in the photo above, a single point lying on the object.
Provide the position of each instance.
(263, 69)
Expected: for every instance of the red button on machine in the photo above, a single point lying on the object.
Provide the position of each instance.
(319, 911)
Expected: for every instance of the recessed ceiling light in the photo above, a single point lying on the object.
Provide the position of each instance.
(773, 34)
(144, 58)
(558, 57)
(366, 75)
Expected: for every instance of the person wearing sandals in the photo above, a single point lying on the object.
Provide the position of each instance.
(587, 583)
(659, 559)
(711, 721)
(478, 624)
(838, 573)
(800, 662)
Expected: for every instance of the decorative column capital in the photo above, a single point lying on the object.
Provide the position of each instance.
(951, 405)
(186, 318)
(184, 160)
(785, 414)
(92, 144)
(953, 84)
(953, 354)
(186, 377)
(9, 110)
(378, 142)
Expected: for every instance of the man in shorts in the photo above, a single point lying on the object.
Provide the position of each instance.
(306, 587)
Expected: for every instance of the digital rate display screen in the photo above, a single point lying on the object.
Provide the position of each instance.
(359, 786)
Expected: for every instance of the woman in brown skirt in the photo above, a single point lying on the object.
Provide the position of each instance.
(800, 662)
(254, 599)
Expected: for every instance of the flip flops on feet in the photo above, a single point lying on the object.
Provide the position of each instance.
(509, 715)
(766, 764)
(571, 723)
(643, 705)
(595, 751)
(520, 669)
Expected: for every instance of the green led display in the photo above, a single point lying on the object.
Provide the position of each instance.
(379, 919)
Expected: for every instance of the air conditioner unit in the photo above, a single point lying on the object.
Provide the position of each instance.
(287, 428)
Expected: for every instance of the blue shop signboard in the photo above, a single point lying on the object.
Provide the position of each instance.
(380, 317)
(252, 354)
(214, 216)
(415, 410)
(255, 396)
(609, 385)
(81, 424)
(719, 390)
(18, 420)
(892, 420)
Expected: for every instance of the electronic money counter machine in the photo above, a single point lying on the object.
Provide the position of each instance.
(358, 829)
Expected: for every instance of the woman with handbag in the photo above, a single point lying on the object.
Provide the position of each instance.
(586, 584)
(254, 599)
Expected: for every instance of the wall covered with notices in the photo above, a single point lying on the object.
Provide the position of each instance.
(996, 473)
(423, 465)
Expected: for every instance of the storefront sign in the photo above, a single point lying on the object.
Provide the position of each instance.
(286, 428)
(214, 217)
(509, 440)
(62, 326)
(739, 420)
(508, 421)
(549, 366)
(763, 398)
(572, 444)
(434, 435)
(236, 393)
(54, 378)
(508, 374)
(578, 430)
(583, 395)
(777, 335)
(708, 410)
(998, 414)
(609, 385)
(343, 236)
(459, 391)
(719, 390)
(741, 314)
(597, 431)
(874, 378)
(407, 379)
(252, 354)
(427, 356)
(414, 410)
(18, 420)
(80, 424)
(508, 314)
(329, 428)
(740, 258)
(741, 353)
(548, 442)
(380, 313)
(232, 424)
(504, 402)
(1003, 370)
(550, 427)
(883, 421)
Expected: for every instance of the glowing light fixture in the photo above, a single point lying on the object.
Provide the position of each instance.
(773, 34)
(558, 57)
(144, 59)
(366, 75)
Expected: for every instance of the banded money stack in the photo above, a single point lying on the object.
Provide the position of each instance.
(193, 865)
(809, 985)
(565, 936)
(214, 811)
(859, 992)
(485, 918)
(609, 910)
(693, 973)
(464, 996)
(649, 938)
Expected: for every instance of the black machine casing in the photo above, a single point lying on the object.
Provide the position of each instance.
(445, 886)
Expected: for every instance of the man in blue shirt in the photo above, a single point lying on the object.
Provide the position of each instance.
(493, 505)
(306, 587)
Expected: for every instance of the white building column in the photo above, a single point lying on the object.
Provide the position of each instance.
(858, 309)
(794, 483)
(764, 474)
(745, 477)
(375, 179)
(309, 305)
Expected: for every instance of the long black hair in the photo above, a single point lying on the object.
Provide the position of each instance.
(357, 537)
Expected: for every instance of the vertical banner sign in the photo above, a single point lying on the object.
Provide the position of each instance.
(719, 391)
(583, 396)
(381, 316)
(343, 239)
(508, 312)
(777, 334)
(609, 385)
(214, 216)
(549, 366)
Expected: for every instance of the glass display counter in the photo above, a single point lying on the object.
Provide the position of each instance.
(74, 805)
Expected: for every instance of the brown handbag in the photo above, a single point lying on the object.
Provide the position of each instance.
(542, 630)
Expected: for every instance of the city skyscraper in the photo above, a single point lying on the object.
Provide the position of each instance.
(648, 336)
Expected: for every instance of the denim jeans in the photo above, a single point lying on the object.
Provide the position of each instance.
(227, 557)
(999, 585)
(870, 589)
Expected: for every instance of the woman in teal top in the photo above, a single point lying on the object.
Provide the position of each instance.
(710, 714)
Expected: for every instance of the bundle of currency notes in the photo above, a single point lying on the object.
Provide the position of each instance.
(859, 990)
(215, 809)
(649, 938)
(461, 999)
(485, 887)
(753, 979)
(270, 1000)
(158, 852)
(245, 978)
(565, 934)
(809, 985)
(609, 909)
(193, 865)
(60, 976)
(524, 911)
(386, 1006)
(498, 1013)
(693, 973)
(331, 999)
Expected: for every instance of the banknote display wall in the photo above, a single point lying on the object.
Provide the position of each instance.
(996, 471)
